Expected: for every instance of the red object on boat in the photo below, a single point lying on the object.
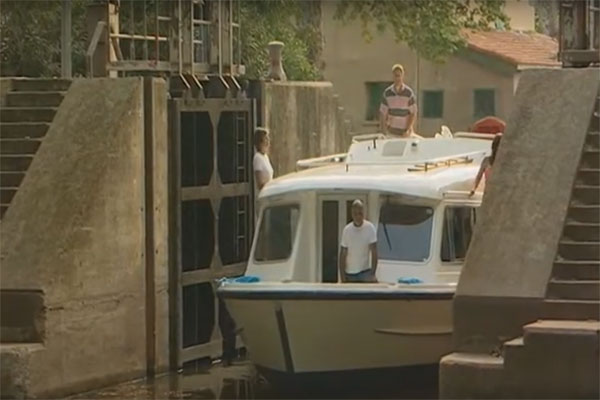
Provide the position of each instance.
(490, 125)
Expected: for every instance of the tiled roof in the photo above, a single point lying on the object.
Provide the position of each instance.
(517, 48)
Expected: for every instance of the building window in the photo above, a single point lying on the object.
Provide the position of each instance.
(433, 104)
(374, 95)
(484, 102)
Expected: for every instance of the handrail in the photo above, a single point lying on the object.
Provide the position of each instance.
(367, 136)
(458, 194)
(100, 26)
(429, 165)
(138, 37)
(321, 161)
(474, 135)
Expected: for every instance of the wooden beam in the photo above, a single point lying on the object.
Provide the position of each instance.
(209, 192)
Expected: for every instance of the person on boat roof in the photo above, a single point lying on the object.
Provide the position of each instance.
(486, 165)
(263, 170)
(398, 109)
(359, 238)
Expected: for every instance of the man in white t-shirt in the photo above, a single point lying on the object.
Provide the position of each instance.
(263, 170)
(359, 238)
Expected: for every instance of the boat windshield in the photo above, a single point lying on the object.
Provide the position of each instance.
(277, 232)
(404, 232)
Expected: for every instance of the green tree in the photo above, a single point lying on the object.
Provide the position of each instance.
(30, 31)
(283, 20)
(430, 27)
(30, 37)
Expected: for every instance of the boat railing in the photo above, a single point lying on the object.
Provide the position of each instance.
(320, 161)
(460, 194)
(474, 135)
(429, 165)
(368, 136)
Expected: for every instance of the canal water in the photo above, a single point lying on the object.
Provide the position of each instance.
(241, 381)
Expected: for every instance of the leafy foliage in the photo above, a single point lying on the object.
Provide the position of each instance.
(30, 39)
(431, 27)
(283, 20)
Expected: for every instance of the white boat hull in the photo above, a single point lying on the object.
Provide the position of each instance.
(316, 332)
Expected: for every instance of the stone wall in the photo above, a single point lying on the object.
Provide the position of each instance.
(305, 120)
(76, 232)
(157, 223)
(511, 256)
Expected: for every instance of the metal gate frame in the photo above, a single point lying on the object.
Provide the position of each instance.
(215, 191)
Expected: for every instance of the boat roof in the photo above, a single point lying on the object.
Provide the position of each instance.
(423, 167)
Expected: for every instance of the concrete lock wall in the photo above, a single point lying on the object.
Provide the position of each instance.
(305, 120)
(157, 223)
(524, 207)
(76, 231)
(6, 85)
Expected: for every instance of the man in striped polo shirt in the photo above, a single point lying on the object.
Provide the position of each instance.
(398, 106)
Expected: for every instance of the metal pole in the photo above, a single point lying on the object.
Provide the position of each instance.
(231, 37)
(220, 41)
(66, 69)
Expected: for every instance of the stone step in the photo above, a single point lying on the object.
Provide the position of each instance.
(563, 332)
(573, 250)
(586, 194)
(27, 114)
(513, 353)
(576, 270)
(34, 99)
(23, 130)
(584, 213)
(3, 208)
(15, 162)
(553, 359)
(582, 231)
(11, 179)
(19, 146)
(590, 158)
(41, 85)
(7, 194)
(574, 290)
(456, 373)
(571, 309)
(19, 361)
(588, 176)
(593, 139)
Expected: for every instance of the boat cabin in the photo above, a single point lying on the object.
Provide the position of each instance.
(415, 191)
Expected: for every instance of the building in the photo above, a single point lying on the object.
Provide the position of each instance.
(477, 81)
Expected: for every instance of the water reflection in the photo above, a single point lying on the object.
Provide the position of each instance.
(242, 381)
(237, 381)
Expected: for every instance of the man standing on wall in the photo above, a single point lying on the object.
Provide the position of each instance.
(359, 238)
(398, 109)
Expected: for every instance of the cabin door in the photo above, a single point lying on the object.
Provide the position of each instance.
(335, 213)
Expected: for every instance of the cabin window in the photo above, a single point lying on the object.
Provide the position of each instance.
(277, 232)
(459, 223)
(404, 232)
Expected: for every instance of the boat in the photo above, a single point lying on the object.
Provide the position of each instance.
(293, 315)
